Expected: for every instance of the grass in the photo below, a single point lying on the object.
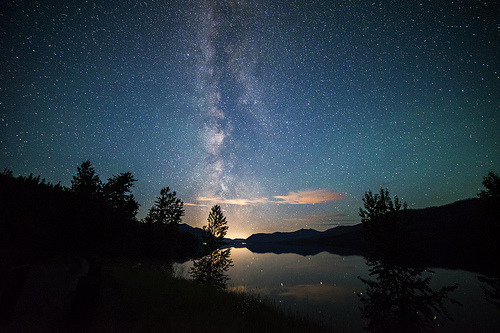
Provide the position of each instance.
(144, 299)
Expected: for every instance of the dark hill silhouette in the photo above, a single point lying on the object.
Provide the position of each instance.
(341, 236)
(39, 217)
(461, 234)
(282, 236)
(197, 232)
(342, 240)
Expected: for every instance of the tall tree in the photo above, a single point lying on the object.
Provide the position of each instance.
(167, 208)
(492, 185)
(217, 224)
(86, 182)
(379, 206)
(488, 221)
(118, 194)
(382, 223)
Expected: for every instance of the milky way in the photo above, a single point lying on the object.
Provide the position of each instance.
(231, 104)
(228, 90)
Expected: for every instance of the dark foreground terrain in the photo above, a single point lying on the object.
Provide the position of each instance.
(78, 294)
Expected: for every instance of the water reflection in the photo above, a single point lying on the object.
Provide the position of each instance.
(211, 269)
(400, 299)
(326, 287)
(320, 292)
(491, 289)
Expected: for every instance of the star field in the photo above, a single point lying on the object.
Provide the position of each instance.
(284, 112)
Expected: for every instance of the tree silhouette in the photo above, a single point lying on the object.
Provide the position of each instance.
(492, 184)
(381, 219)
(401, 300)
(488, 226)
(217, 225)
(118, 195)
(167, 209)
(211, 269)
(86, 182)
(491, 289)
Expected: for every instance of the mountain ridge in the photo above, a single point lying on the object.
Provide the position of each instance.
(462, 234)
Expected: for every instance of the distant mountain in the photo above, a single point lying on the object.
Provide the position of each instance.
(342, 240)
(282, 236)
(462, 234)
(312, 237)
(448, 221)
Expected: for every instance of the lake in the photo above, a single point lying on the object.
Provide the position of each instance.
(328, 288)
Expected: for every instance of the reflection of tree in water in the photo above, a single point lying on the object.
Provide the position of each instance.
(401, 300)
(491, 289)
(211, 268)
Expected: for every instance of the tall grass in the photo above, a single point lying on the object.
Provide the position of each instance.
(144, 299)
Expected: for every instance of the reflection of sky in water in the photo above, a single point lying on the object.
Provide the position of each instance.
(324, 286)
(305, 284)
(476, 314)
(318, 292)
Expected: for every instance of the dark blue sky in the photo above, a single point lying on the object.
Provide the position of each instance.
(284, 112)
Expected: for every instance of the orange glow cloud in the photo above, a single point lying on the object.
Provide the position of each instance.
(309, 197)
(313, 218)
(194, 205)
(294, 198)
(238, 202)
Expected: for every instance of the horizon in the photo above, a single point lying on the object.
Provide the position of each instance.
(284, 113)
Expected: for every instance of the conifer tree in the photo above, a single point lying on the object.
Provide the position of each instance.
(86, 182)
(118, 194)
(167, 209)
(217, 224)
(492, 184)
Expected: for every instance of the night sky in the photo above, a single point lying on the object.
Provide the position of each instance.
(284, 112)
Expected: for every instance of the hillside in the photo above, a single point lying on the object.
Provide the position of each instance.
(461, 234)
(309, 241)
(282, 236)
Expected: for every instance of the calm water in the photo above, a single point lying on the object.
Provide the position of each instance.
(326, 286)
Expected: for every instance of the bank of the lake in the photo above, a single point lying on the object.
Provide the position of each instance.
(145, 298)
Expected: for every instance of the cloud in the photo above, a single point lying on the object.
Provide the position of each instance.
(344, 222)
(314, 218)
(309, 197)
(293, 198)
(194, 205)
(244, 202)
(237, 202)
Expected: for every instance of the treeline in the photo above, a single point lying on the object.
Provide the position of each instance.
(90, 216)
(400, 244)
(462, 234)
